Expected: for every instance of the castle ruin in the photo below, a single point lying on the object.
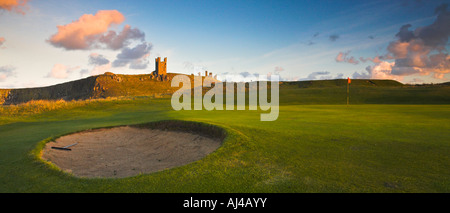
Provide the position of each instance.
(160, 72)
(160, 66)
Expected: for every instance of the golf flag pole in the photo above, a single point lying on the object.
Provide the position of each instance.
(348, 91)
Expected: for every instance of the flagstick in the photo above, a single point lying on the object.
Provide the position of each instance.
(347, 91)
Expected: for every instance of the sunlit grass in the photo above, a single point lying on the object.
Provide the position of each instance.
(309, 148)
(40, 106)
(317, 144)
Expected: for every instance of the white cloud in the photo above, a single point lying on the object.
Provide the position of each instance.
(6, 72)
(61, 71)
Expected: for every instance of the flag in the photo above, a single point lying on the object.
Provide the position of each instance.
(349, 81)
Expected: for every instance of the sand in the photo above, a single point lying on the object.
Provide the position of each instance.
(127, 151)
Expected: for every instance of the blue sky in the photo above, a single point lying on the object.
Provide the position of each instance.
(298, 40)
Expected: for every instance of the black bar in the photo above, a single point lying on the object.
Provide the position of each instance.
(274, 201)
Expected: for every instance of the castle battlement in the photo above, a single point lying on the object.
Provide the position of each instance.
(161, 66)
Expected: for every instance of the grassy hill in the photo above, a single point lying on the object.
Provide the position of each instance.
(362, 91)
(342, 82)
(100, 86)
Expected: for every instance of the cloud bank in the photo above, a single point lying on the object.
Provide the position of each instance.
(135, 57)
(16, 6)
(6, 72)
(85, 32)
(333, 37)
(321, 75)
(343, 57)
(97, 59)
(93, 32)
(2, 40)
(61, 71)
(421, 51)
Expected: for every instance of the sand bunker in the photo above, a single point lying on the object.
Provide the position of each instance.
(127, 151)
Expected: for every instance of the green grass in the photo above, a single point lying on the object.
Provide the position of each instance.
(310, 148)
(363, 94)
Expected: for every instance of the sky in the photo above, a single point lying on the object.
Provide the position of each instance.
(47, 42)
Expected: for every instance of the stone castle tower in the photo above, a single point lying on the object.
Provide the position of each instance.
(160, 66)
